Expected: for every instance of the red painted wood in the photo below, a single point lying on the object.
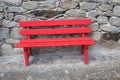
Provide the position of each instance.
(55, 31)
(54, 22)
(28, 43)
(85, 54)
(45, 40)
(83, 35)
(61, 43)
(26, 57)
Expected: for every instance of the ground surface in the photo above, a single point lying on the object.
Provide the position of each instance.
(61, 65)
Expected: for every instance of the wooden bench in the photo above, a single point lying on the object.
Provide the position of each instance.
(28, 43)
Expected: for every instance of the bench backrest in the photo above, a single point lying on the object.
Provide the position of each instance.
(42, 23)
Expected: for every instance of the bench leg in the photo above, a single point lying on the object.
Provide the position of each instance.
(26, 57)
(85, 49)
(29, 51)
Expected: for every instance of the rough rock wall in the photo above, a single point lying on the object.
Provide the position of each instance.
(105, 15)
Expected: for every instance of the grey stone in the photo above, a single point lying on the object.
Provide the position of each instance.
(10, 16)
(13, 2)
(100, 1)
(96, 36)
(107, 13)
(16, 9)
(1, 8)
(4, 33)
(12, 41)
(102, 19)
(76, 13)
(94, 19)
(106, 27)
(95, 26)
(105, 7)
(1, 42)
(30, 5)
(18, 50)
(20, 17)
(0, 22)
(76, 0)
(116, 30)
(15, 34)
(115, 1)
(1, 15)
(6, 49)
(115, 21)
(50, 4)
(116, 11)
(87, 5)
(68, 4)
(93, 13)
(8, 23)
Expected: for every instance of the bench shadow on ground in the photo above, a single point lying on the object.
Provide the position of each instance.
(56, 55)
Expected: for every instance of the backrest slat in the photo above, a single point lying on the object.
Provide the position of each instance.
(55, 22)
(55, 31)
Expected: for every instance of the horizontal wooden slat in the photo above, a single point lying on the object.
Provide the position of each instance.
(60, 43)
(54, 22)
(55, 31)
(45, 40)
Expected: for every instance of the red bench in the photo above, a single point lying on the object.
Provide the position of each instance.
(28, 43)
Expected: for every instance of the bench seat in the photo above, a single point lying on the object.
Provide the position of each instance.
(55, 42)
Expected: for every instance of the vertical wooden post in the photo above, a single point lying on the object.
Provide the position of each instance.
(82, 46)
(86, 54)
(26, 57)
(83, 34)
(28, 36)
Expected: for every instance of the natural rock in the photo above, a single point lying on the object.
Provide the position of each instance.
(115, 1)
(8, 23)
(18, 50)
(76, 13)
(87, 6)
(50, 4)
(116, 30)
(1, 15)
(93, 14)
(10, 16)
(12, 41)
(106, 27)
(6, 49)
(4, 33)
(105, 7)
(1, 42)
(102, 19)
(115, 21)
(16, 9)
(15, 33)
(94, 19)
(1, 8)
(95, 26)
(107, 13)
(0, 22)
(68, 5)
(30, 5)
(47, 13)
(116, 11)
(96, 35)
(13, 2)
(20, 17)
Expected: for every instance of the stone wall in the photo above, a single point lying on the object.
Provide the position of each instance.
(105, 15)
